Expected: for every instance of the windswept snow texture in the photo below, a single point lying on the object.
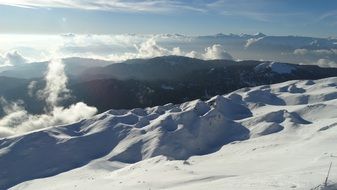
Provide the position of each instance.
(281, 136)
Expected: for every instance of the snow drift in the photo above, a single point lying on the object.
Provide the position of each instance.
(223, 142)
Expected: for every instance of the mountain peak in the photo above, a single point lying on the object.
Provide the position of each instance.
(259, 34)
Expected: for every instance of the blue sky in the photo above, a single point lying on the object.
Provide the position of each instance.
(194, 17)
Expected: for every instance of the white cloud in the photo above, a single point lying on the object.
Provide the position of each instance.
(326, 63)
(252, 41)
(32, 88)
(121, 47)
(13, 59)
(2, 61)
(17, 120)
(10, 107)
(56, 84)
(150, 48)
(20, 121)
(6, 132)
(329, 16)
(324, 57)
(216, 52)
(135, 46)
(146, 49)
(301, 51)
(254, 10)
(194, 54)
(108, 5)
(114, 48)
(31, 47)
(317, 52)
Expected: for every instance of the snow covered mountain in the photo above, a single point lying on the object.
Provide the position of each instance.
(280, 136)
(158, 81)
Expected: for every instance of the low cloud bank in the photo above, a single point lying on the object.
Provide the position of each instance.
(324, 57)
(117, 48)
(150, 48)
(326, 63)
(17, 120)
(12, 59)
(213, 52)
(216, 52)
(317, 52)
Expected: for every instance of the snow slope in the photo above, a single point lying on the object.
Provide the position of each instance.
(280, 68)
(280, 136)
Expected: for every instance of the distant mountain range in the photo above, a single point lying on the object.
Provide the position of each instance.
(293, 49)
(73, 66)
(156, 81)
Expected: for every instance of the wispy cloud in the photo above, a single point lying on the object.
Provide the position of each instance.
(107, 5)
(327, 15)
(330, 17)
(17, 120)
(259, 10)
(260, 16)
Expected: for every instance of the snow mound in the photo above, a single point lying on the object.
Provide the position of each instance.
(300, 114)
(278, 117)
(264, 96)
(175, 131)
(265, 128)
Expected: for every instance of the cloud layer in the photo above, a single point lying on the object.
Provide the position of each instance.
(123, 47)
(117, 48)
(325, 57)
(326, 63)
(217, 51)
